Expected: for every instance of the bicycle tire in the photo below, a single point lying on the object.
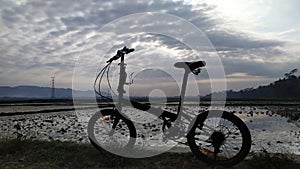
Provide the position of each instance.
(205, 149)
(124, 126)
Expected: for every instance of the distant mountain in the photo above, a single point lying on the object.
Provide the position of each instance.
(42, 92)
(286, 88)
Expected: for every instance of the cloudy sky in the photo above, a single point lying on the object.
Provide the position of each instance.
(257, 40)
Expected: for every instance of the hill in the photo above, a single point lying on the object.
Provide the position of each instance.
(36, 92)
(286, 88)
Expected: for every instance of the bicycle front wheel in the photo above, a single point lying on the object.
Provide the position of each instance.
(111, 132)
(223, 140)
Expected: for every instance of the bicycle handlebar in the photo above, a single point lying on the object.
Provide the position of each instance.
(120, 53)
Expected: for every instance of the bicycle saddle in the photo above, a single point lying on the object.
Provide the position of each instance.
(191, 66)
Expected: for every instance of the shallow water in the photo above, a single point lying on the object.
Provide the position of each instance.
(271, 128)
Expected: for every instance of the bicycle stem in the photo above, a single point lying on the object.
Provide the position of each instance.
(122, 81)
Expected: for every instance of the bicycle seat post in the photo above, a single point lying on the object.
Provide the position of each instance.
(188, 67)
(182, 92)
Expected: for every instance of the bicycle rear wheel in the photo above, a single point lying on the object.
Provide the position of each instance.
(224, 140)
(112, 132)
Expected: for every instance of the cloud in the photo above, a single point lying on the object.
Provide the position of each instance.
(48, 36)
(228, 41)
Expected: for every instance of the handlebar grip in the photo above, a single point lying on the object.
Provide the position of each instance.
(131, 50)
(121, 52)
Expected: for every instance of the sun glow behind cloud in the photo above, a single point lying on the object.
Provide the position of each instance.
(245, 12)
(240, 10)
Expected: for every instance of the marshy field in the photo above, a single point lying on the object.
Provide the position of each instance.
(52, 134)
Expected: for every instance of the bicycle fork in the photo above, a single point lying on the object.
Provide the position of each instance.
(121, 91)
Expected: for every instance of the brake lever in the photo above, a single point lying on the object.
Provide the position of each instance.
(130, 79)
(116, 57)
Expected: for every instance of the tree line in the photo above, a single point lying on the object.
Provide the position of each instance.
(287, 87)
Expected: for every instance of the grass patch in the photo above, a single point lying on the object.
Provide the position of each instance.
(272, 161)
(27, 153)
(19, 153)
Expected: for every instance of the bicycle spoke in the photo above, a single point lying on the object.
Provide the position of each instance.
(226, 139)
(204, 140)
(112, 132)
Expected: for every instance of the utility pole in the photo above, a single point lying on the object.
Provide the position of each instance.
(53, 88)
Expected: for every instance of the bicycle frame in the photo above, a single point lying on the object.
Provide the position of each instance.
(144, 107)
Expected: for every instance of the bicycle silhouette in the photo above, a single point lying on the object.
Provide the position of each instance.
(215, 139)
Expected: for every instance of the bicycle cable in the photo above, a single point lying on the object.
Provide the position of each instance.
(97, 77)
(100, 77)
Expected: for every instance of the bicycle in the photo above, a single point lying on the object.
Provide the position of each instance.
(219, 140)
